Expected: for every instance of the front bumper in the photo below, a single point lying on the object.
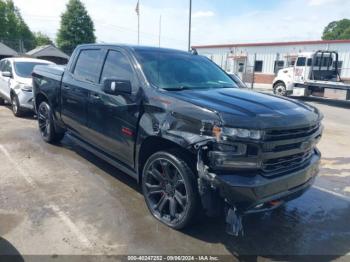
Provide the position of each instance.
(249, 193)
(26, 100)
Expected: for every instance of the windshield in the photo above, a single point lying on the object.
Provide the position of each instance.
(25, 69)
(178, 71)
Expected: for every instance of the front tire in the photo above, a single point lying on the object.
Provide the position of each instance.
(2, 101)
(280, 89)
(169, 189)
(16, 107)
(47, 125)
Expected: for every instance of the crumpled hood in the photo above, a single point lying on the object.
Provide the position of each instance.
(249, 109)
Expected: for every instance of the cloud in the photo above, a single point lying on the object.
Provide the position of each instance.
(200, 14)
(321, 2)
(116, 21)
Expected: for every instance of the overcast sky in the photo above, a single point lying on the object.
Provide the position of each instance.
(214, 21)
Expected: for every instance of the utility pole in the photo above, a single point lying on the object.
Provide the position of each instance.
(138, 21)
(160, 28)
(189, 26)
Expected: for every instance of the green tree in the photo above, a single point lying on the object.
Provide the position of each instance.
(14, 31)
(76, 27)
(42, 39)
(337, 30)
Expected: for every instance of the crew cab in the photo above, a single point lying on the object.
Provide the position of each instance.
(16, 82)
(178, 124)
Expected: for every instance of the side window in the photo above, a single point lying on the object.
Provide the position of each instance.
(117, 66)
(258, 66)
(309, 62)
(1, 65)
(88, 65)
(301, 61)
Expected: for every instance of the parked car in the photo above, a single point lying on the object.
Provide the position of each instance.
(179, 125)
(16, 83)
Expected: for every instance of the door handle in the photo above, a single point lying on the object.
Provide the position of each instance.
(65, 87)
(95, 96)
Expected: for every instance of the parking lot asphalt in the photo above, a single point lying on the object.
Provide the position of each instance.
(60, 199)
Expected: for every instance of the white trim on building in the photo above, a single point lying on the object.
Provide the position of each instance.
(239, 58)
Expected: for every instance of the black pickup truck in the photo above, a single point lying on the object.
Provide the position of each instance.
(179, 125)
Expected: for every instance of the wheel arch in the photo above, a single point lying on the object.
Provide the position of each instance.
(12, 93)
(155, 144)
(39, 98)
(279, 82)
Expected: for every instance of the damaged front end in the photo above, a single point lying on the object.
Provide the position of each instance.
(254, 171)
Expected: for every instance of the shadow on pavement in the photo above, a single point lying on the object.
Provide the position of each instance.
(8, 252)
(314, 225)
(317, 224)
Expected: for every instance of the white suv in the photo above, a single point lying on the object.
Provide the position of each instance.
(16, 82)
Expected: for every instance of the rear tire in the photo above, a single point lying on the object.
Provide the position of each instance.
(170, 190)
(2, 101)
(280, 89)
(16, 107)
(46, 124)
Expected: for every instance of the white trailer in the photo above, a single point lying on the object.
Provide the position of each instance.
(313, 74)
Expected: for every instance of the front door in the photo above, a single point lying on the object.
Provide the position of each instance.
(76, 87)
(113, 118)
(5, 82)
(299, 70)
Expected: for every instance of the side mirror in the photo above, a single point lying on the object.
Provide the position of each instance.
(117, 87)
(6, 74)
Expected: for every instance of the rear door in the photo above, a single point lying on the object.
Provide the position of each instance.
(76, 86)
(113, 118)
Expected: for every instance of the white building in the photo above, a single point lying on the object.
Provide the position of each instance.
(267, 58)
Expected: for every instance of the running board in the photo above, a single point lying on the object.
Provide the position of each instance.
(103, 156)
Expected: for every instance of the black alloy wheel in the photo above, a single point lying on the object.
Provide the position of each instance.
(168, 188)
(44, 120)
(46, 124)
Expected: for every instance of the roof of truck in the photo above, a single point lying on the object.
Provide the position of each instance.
(136, 47)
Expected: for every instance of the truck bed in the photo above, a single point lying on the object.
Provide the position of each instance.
(328, 84)
(54, 72)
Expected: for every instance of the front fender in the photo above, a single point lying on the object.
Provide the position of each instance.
(180, 129)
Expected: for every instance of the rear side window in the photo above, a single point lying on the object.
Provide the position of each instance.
(117, 66)
(309, 62)
(88, 66)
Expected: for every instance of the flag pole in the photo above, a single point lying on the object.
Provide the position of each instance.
(189, 26)
(138, 21)
(138, 26)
